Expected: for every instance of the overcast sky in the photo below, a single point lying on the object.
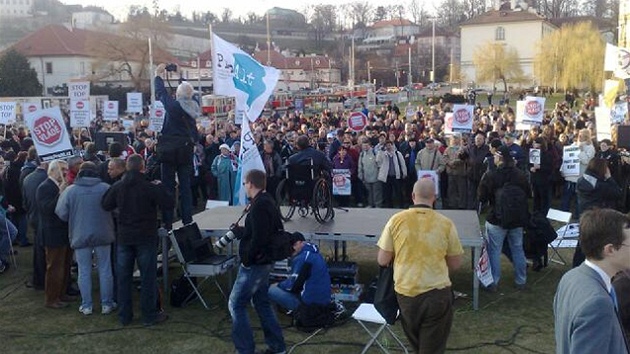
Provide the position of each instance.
(119, 8)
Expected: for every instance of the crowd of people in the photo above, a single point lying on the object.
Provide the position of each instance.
(88, 205)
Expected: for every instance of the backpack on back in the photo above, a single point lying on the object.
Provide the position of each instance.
(510, 206)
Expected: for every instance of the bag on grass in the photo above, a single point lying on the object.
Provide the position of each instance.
(308, 318)
(182, 292)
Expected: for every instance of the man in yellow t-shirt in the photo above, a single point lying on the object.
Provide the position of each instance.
(424, 246)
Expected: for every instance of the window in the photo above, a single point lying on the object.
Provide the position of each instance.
(49, 68)
(499, 34)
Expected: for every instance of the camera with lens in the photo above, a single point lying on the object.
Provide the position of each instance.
(235, 232)
(171, 67)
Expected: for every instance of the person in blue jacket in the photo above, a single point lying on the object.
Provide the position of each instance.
(309, 281)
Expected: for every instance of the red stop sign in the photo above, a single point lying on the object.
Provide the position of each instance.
(32, 108)
(357, 121)
(47, 131)
(110, 105)
(462, 116)
(79, 105)
(159, 113)
(533, 108)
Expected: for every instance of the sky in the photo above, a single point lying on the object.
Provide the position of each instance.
(120, 8)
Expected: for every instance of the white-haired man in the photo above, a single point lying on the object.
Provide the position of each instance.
(175, 145)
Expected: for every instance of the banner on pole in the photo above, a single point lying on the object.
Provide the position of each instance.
(49, 133)
(236, 73)
(249, 159)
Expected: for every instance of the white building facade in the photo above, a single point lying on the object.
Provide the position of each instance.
(16, 8)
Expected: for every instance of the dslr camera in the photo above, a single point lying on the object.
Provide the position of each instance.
(235, 232)
(171, 67)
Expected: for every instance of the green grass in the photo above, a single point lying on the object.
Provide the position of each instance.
(507, 321)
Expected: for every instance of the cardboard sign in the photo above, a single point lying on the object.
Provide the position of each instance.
(110, 110)
(570, 161)
(134, 102)
(79, 91)
(463, 118)
(534, 156)
(7, 112)
(341, 181)
(432, 175)
(49, 133)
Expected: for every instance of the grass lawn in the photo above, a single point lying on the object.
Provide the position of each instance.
(507, 321)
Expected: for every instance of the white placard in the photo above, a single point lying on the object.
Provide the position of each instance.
(128, 124)
(410, 112)
(482, 268)
(79, 91)
(571, 161)
(156, 119)
(49, 133)
(134, 102)
(341, 181)
(110, 110)
(534, 156)
(620, 109)
(7, 112)
(30, 107)
(448, 123)
(463, 118)
(531, 110)
(432, 175)
(80, 113)
(602, 123)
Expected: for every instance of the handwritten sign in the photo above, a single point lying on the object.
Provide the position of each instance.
(79, 91)
(7, 112)
(571, 161)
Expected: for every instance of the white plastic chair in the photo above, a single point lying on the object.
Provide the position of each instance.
(564, 234)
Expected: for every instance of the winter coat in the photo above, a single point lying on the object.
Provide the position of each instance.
(594, 192)
(368, 166)
(309, 277)
(493, 180)
(224, 169)
(80, 205)
(430, 161)
(261, 224)
(400, 168)
(54, 231)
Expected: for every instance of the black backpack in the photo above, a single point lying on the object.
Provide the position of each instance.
(308, 318)
(181, 290)
(510, 206)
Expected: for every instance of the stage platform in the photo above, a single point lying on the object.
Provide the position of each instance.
(356, 224)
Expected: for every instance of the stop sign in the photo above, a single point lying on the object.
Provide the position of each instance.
(110, 105)
(533, 108)
(159, 113)
(357, 121)
(47, 131)
(79, 105)
(32, 108)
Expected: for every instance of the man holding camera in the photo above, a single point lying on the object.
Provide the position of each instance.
(252, 282)
(176, 142)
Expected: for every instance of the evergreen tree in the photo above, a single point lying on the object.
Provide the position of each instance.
(17, 78)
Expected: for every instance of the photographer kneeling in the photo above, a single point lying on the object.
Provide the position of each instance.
(309, 281)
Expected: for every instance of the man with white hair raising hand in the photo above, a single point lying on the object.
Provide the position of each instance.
(424, 248)
(176, 142)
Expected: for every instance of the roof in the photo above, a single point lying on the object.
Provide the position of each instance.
(59, 40)
(503, 16)
(395, 22)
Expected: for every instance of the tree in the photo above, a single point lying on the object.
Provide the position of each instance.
(361, 12)
(226, 15)
(497, 62)
(419, 14)
(322, 22)
(559, 8)
(571, 57)
(17, 77)
(450, 13)
(473, 8)
(380, 14)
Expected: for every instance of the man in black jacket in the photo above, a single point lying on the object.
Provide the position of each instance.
(306, 153)
(29, 190)
(137, 200)
(252, 282)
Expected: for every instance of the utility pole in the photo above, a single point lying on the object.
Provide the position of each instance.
(397, 75)
(433, 58)
(369, 77)
(409, 70)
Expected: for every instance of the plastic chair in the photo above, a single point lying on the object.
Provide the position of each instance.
(198, 259)
(564, 234)
(367, 313)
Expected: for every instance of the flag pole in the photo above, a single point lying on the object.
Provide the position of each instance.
(216, 123)
(151, 74)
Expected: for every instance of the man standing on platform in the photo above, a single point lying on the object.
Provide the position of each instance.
(252, 282)
(585, 306)
(424, 247)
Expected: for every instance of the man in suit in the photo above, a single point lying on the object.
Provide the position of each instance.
(585, 305)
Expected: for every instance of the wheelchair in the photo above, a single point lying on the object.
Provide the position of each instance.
(306, 189)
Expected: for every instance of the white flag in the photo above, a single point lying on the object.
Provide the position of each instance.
(249, 160)
(235, 73)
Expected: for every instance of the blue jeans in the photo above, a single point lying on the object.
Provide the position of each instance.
(568, 192)
(252, 285)
(184, 174)
(105, 278)
(283, 298)
(146, 257)
(496, 236)
(19, 220)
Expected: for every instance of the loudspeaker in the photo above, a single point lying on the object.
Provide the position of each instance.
(104, 139)
(623, 137)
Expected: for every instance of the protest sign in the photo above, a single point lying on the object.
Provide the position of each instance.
(534, 156)
(432, 175)
(462, 118)
(341, 181)
(80, 114)
(7, 112)
(79, 91)
(134, 102)
(49, 133)
(156, 119)
(110, 110)
(571, 161)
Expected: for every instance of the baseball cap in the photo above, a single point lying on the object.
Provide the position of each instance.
(224, 146)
